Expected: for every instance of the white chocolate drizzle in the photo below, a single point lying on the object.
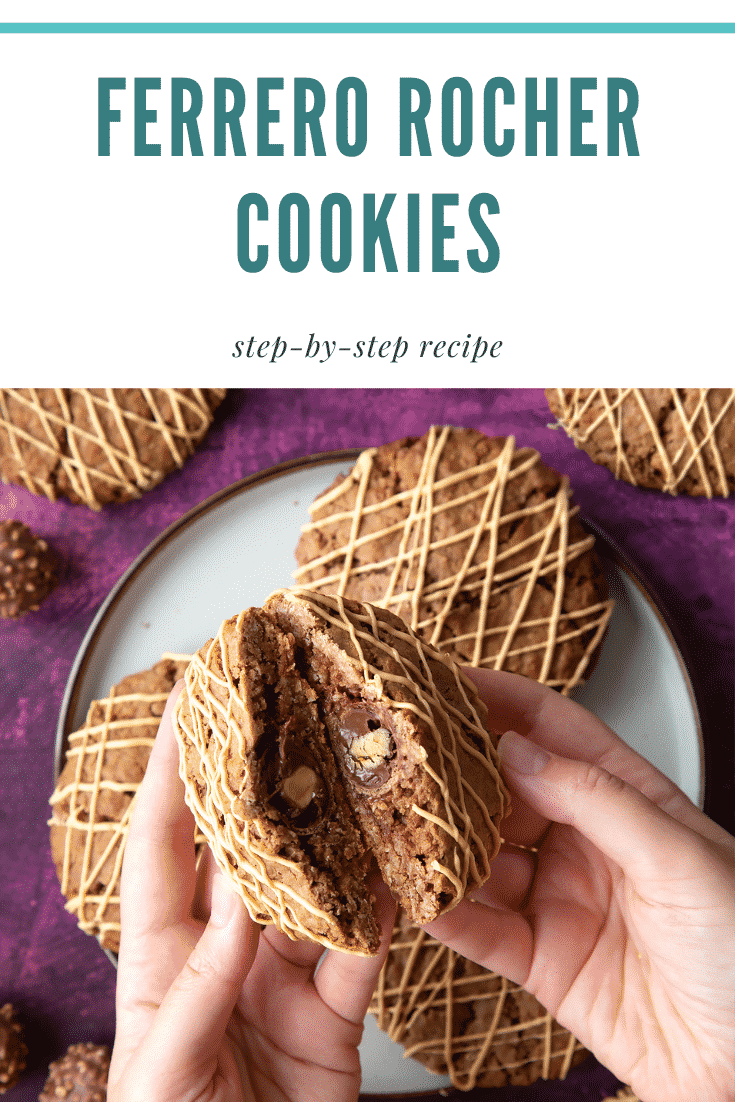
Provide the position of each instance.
(210, 717)
(426, 604)
(429, 991)
(74, 805)
(58, 438)
(580, 420)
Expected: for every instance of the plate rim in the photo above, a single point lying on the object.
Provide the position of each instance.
(670, 629)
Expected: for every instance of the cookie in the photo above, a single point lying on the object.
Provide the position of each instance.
(79, 1076)
(27, 570)
(461, 1020)
(625, 1094)
(93, 799)
(100, 445)
(317, 731)
(13, 1050)
(680, 441)
(475, 543)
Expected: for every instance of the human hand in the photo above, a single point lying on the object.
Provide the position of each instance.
(623, 924)
(208, 1006)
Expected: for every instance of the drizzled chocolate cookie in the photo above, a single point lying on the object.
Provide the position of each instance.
(103, 444)
(681, 441)
(461, 1020)
(93, 800)
(316, 733)
(475, 543)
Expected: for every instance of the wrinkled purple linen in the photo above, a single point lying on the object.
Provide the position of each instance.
(58, 978)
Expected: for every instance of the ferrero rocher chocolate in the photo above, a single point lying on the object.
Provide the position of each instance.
(27, 570)
(79, 1076)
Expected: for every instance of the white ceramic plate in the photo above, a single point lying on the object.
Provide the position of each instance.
(234, 549)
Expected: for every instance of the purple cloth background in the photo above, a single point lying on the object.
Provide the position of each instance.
(59, 980)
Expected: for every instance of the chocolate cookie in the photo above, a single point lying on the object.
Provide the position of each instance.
(94, 795)
(681, 441)
(100, 445)
(27, 570)
(460, 1020)
(79, 1076)
(13, 1050)
(316, 731)
(475, 543)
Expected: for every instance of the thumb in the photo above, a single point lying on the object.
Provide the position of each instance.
(188, 1029)
(620, 821)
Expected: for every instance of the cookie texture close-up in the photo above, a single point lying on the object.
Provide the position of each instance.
(102, 445)
(316, 732)
(27, 570)
(680, 441)
(93, 799)
(473, 542)
(459, 1019)
(80, 1075)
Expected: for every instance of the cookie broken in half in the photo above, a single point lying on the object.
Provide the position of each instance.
(316, 733)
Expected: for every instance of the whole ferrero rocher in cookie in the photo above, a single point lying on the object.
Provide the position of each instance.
(27, 570)
(93, 800)
(681, 441)
(461, 1020)
(80, 1075)
(13, 1050)
(473, 542)
(316, 732)
(99, 445)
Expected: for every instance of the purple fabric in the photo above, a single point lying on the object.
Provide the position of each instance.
(59, 979)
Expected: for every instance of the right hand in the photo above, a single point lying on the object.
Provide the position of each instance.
(623, 924)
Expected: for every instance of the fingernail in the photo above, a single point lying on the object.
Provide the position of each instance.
(521, 755)
(224, 901)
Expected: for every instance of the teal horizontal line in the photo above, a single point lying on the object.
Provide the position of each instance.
(367, 28)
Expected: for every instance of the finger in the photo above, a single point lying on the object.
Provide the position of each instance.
(157, 933)
(523, 826)
(346, 983)
(180, 1050)
(564, 727)
(629, 829)
(159, 848)
(302, 956)
(202, 902)
(511, 876)
(493, 936)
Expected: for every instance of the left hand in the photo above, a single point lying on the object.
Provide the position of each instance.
(209, 1007)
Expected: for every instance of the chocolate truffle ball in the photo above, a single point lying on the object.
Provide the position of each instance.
(12, 1049)
(27, 570)
(79, 1076)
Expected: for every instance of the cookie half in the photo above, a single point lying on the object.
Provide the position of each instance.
(680, 441)
(316, 732)
(93, 799)
(461, 1020)
(99, 445)
(475, 543)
